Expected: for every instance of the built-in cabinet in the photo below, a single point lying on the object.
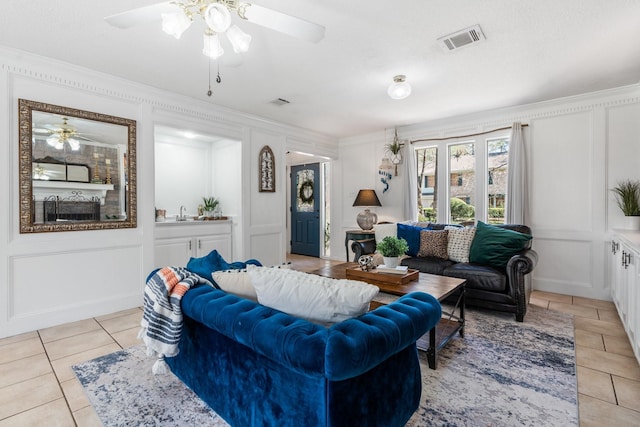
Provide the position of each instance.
(625, 283)
(176, 242)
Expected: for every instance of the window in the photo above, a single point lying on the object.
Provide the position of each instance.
(497, 169)
(428, 189)
(462, 169)
(474, 186)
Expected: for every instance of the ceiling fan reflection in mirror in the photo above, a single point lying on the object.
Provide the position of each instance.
(177, 16)
(57, 135)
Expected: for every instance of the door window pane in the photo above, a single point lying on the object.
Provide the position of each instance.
(462, 185)
(305, 190)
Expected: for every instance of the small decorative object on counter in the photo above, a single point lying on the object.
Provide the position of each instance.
(161, 215)
(210, 204)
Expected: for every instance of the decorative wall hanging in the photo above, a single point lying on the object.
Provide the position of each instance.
(384, 171)
(266, 170)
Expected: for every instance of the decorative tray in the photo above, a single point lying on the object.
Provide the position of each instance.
(374, 276)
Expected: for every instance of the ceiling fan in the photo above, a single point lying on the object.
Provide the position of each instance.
(177, 15)
(57, 135)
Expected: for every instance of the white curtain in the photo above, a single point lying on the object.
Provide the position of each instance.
(411, 186)
(517, 202)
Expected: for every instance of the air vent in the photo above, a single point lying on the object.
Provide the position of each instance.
(461, 38)
(280, 101)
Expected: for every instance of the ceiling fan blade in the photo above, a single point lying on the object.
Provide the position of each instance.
(141, 15)
(283, 23)
(42, 131)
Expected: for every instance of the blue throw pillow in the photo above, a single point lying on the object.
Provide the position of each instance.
(206, 265)
(411, 234)
(494, 246)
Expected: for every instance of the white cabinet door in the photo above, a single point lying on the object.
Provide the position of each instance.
(625, 292)
(626, 281)
(635, 304)
(615, 257)
(173, 252)
(206, 244)
(633, 258)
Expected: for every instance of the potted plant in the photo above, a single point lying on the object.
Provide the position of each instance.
(627, 195)
(209, 206)
(393, 151)
(391, 248)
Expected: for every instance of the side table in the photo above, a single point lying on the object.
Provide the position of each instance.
(357, 235)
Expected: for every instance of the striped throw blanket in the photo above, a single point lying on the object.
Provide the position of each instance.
(162, 317)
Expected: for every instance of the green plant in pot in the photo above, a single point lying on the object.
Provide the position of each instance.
(209, 205)
(627, 195)
(391, 248)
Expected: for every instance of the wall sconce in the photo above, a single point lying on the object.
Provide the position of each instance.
(367, 219)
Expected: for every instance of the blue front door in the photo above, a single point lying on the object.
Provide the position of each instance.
(305, 210)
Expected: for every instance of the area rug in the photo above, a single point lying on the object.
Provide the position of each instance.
(502, 373)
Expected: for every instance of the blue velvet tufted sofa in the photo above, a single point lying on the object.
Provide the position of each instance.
(256, 366)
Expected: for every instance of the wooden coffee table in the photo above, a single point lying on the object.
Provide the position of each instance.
(441, 287)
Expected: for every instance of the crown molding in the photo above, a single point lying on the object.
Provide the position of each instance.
(527, 113)
(19, 63)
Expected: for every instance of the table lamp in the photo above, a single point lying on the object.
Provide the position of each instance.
(367, 219)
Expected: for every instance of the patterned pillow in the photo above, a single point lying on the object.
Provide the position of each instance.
(434, 243)
(460, 240)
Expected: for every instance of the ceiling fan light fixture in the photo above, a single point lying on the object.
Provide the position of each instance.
(212, 47)
(175, 24)
(55, 142)
(239, 39)
(399, 89)
(217, 17)
(74, 144)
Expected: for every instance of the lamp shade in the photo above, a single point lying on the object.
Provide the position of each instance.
(367, 198)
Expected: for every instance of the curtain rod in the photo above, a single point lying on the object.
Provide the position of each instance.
(463, 136)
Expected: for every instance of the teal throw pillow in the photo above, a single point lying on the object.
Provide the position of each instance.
(411, 234)
(494, 246)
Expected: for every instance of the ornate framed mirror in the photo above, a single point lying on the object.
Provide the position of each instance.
(77, 169)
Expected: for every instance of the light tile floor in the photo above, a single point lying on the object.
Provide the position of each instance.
(38, 388)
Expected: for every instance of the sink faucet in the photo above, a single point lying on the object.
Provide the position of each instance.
(182, 217)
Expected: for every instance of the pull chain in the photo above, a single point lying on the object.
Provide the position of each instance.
(218, 78)
(209, 92)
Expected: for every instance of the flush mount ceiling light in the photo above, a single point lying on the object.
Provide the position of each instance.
(177, 16)
(399, 89)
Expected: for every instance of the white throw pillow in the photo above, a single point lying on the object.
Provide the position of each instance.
(236, 282)
(312, 297)
(460, 240)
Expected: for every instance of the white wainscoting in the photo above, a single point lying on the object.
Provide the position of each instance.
(67, 285)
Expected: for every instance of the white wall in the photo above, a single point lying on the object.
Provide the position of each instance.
(577, 149)
(183, 175)
(52, 278)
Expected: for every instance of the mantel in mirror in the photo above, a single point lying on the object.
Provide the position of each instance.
(77, 169)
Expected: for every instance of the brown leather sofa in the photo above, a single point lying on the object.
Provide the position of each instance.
(494, 288)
